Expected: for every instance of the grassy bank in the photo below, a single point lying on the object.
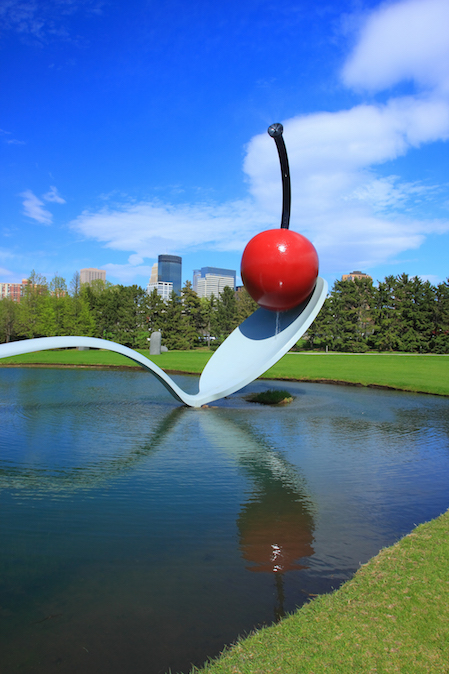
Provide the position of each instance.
(422, 373)
(393, 616)
(185, 361)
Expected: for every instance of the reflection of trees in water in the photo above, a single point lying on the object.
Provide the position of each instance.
(88, 475)
(276, 523)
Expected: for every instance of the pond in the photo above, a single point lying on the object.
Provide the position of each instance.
(140, 536)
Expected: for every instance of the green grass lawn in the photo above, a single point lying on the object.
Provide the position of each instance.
(393, 616)
(424, 373)
(421, 373)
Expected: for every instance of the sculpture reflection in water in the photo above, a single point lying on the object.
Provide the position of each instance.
(90, 474)
(276, 523)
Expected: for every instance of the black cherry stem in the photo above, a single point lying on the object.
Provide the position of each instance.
(275, 131)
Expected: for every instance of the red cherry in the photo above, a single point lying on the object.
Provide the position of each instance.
(279, 269)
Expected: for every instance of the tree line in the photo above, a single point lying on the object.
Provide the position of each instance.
(401, 313)
(123, 314)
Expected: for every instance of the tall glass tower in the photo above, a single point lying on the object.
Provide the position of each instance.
(169, 270)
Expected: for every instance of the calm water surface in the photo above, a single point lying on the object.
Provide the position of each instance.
(138, 536)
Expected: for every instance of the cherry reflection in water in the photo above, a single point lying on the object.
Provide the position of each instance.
(276, 523)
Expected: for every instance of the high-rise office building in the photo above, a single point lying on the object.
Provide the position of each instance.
(209, 281)
(166, 276)
(169, 270)
(90, 274)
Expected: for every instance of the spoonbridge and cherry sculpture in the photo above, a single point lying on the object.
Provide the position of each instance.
(280, 271)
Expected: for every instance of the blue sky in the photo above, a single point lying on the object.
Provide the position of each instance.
(129, 130)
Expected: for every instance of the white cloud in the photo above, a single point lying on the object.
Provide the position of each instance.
(33, 208)
(10, 141)
(135, 260)
(53, 195)
(149, 227)
(402, 41)
(336, 145)
(13, 141)
(356, 217)
(383, 194)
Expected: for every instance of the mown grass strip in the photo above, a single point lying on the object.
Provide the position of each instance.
(393, 616)
(184, 361)
(419, 373)
(64, 357)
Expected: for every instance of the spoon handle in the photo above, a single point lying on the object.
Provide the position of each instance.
(275, 131)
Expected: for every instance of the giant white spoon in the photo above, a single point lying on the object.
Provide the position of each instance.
(253, 347)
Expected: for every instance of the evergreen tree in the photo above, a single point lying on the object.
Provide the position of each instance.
(156, 309)
(78, 320)
(193, 319)
(138, 320)
(208, 309)
(102, 307)
(405, 309)
(439, 342)
(173, 334)
(350, 308)
(421, 316)
(387, 330)
(321, 333)
(226, 317)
